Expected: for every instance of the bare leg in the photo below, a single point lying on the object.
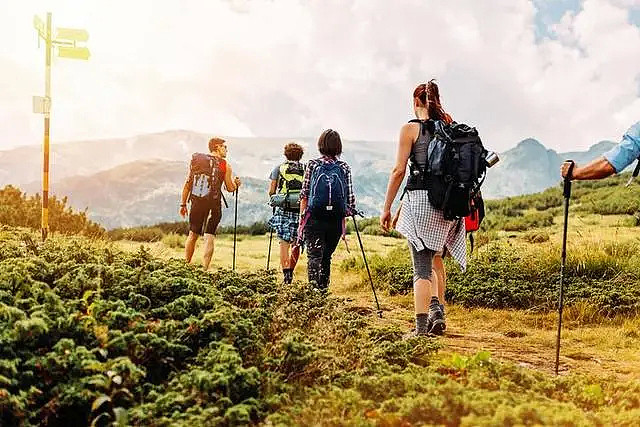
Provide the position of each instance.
(295, 255)
(441, 275)
(284, 254)
(190, 246)
(208, 250)
(423, 290)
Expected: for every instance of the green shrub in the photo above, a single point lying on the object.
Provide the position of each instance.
(93, 334)
(174, 241)
(255, 229)
(392, 272)
(370, 226)
(536, 236)
(137, 234)
(19, 210)
(506, 274)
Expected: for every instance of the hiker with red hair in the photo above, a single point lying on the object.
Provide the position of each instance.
(427, 231)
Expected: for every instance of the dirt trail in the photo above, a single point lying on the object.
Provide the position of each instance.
(526, 339)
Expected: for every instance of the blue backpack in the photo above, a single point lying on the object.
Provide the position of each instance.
(328, 191)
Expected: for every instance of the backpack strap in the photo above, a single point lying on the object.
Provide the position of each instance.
(414, 164)
(280, 177)
(423, 124)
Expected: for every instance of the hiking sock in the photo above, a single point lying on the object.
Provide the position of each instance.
(288, 275)
(422, 324)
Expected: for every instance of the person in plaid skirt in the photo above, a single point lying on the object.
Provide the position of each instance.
(424, 226)
(285, 177)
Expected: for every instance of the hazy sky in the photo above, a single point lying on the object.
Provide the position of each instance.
(566, 72)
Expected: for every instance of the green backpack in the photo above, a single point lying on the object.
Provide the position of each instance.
(289, 186)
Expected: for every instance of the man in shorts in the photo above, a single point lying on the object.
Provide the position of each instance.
(206, 212)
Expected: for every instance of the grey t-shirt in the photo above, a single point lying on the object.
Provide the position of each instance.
(275, 173)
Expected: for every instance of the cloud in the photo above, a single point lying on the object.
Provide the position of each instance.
(295, 67)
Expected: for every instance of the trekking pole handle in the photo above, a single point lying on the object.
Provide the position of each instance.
(567, 179)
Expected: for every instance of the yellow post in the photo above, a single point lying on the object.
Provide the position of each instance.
(47, 119)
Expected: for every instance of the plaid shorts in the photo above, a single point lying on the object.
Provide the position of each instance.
(285, 224)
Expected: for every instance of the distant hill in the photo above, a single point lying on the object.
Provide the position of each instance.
(147, 192)
(530, 167)
(137, 181)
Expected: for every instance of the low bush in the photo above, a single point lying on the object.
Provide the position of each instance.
(17, 209)
(93, 334)
(536, 236)
(370, 226)
(512, 275)
(508, 274)
(84, 325)
(137, 234)
(174, 241)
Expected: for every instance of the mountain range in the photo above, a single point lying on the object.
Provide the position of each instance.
(137, 181)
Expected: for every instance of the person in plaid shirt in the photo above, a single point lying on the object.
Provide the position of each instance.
(321, 233)
(285, 222)
(424, 226)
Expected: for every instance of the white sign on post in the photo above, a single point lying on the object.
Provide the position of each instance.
(41, 105)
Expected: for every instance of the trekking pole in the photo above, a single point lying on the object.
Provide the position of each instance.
(366, 264)
(270, 239)
(567, 196)
(235, 228)
(269, 253)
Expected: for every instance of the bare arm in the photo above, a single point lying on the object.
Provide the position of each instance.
(273, 187)
(407, 136)
(186, 191)
(230, 183)
(596, 169)
(303, 205)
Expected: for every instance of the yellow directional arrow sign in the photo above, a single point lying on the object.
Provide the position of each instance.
(75, 34)
(73, 52)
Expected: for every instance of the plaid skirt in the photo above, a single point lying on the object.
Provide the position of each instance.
(285, 224)
(425, 227)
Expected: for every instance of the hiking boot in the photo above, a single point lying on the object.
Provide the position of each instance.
(444, 317)
(436, 320)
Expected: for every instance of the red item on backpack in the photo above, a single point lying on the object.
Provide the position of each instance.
(472, 221)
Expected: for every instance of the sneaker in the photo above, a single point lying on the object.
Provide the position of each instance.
(436, 320)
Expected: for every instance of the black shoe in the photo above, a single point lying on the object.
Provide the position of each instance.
(436, 320)
(444, 317)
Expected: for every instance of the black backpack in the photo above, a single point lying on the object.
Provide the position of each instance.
(207, 177)
(455, 167)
